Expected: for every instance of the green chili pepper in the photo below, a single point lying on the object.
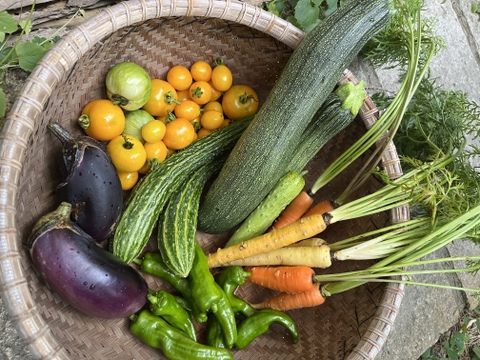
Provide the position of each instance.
(152, 263)
(215, 334)
(165, 305)
(226, 318)
(231, 278)
(259, 323)
(157, 333)
(205, 293)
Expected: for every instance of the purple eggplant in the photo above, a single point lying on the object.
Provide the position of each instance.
(82, 273)
(91, 184)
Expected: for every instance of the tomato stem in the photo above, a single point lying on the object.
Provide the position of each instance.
(127, 144)
(218, 61)
(170, 117)
(245, 97)
(120, 100)
(197, 92)
(170, 98)
(84, 121)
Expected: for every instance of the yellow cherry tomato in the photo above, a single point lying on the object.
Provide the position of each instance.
(222, 77)
(179, 77)
(162, 99)
(200, 92)
(187, 109)
(201, 71)
(153, 131)
(156, 150)
(127, 153)
(203, 132)
(239, 101)
(183, 95)
(179, 134)
(211, 119)
(128, 179)
(102, 119)
(216, 94)
(213, 105)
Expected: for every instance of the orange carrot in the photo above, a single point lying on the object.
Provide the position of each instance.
(282, 278)
(294, 210)
(300, 230)
(321, 207)
(290, 301)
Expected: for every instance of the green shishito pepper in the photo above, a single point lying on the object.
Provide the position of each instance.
(225, 316)
(152, 263)
(204, 291)
(215, 334)
(165, 305)
(259, 323)
(210, 297)
(231, 278)
(175, 344)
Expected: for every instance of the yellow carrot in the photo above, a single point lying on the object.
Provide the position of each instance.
(310, 242)
(275, 239)
(311, 256)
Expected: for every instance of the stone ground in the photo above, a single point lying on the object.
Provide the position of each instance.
(426, 314)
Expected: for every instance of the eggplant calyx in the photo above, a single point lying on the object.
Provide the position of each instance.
(84, 121)
(60, 217)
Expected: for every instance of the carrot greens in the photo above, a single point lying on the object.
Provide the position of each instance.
(464, 226)
(409, 32)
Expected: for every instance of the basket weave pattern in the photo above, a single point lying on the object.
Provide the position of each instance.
(158, 34)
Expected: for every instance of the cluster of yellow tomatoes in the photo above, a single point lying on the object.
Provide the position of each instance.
(188, 104)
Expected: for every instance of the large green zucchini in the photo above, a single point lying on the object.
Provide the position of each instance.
(264, 150)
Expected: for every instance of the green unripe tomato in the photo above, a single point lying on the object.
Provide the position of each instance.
(128, 85)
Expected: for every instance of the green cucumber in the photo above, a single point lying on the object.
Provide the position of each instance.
(287, 188)
(336, 113)
(150, 196)
(177, 226)
(262, 154)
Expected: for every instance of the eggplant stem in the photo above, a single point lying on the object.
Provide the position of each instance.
(60, 132)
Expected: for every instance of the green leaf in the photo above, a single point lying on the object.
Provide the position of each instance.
(7, 56)
(3, 103)
(331, 7)
(26, 25)
(307, 13)
(276, 7)
(29, 54)
(476, 352)
(8, 25)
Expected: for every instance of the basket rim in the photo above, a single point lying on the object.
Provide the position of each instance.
(19, 129)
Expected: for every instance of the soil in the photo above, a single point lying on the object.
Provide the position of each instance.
(13, 82)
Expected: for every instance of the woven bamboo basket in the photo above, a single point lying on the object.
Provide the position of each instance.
(158, 34)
